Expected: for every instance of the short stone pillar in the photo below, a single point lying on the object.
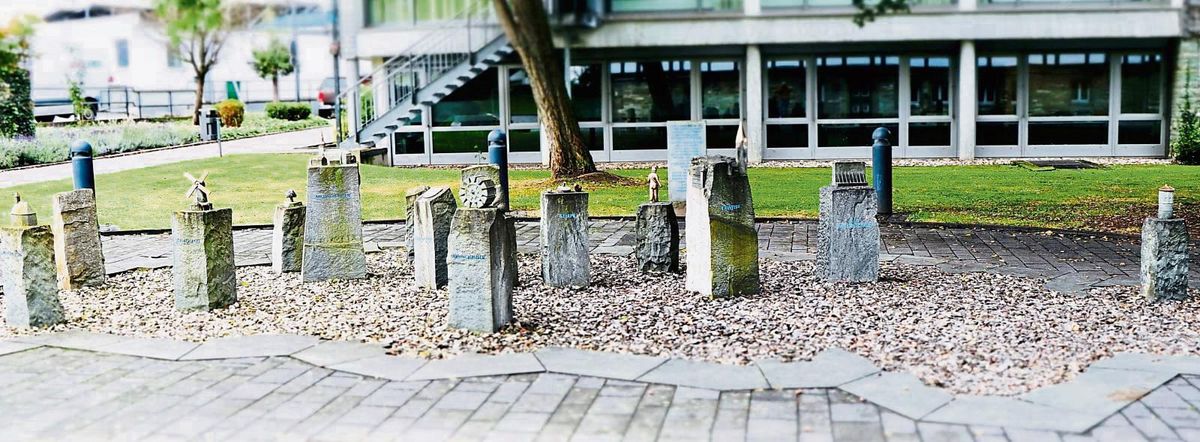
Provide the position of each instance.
(77, 249)
(564, 237)
(287, 236)
(434, 214)
(410, 219)
(480, 266)
(29, 276)
(203, 268)
(333, 239)
(1164, 270)
(847, 232)
(657, 238)
(722, 243)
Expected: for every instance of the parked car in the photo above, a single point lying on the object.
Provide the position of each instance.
(326, 96)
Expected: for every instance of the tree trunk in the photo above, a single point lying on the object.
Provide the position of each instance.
(569, 156)
(275, 86)
(199, 102)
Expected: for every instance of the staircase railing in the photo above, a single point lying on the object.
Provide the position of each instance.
(397, 81)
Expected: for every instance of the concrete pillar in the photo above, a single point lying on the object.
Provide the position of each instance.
(966, 100)
(755, 141)
(968, 5)
(752, 7)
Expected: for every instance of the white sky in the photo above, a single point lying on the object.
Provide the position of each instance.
(14, 8)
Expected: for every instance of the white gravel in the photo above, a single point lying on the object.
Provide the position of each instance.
(972, 333)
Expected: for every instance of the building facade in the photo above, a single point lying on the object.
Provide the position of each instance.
(964, 79)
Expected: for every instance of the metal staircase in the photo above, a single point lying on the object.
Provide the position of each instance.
(443, 60)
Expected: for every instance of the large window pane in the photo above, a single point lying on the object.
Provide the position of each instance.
(476, 103)
(639, 138)
(858, 87)
(997, 134)
(408, 142)
(651, 91)
(1139, 132)
(1141, 84)
(675, 5)
(1068, 84)
(585, 94)
(851, 135)
(720, 137)
(787, 135)
(930, 78)
(521, 106)
(524, 140)
(785, 89)
(474, 141)
(997, 88)
(928, 134)
(720, 89)
(1055, 132)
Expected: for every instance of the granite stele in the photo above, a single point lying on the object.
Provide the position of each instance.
(722, 243)
(657, 232)
(481, 262)
(30, 280)
(1164, 270)
(410, 219)
(333, 239)
(203, 270)
(847, 233)
(435, 211)
(564, 238)
(287, 236)
(77, 249)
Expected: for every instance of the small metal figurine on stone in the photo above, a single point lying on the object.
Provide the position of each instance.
(29, 278)
(202, 262)
(198, 191)
(652, 182)
(1164, 269)
(743, 154)
(657, 232)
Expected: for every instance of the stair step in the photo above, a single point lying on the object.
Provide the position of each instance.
(428, 102)
(465, 78)
(452, 86)
(439, 95)
(367, 143)
(379, 135)
(478, 69)
(392, 126)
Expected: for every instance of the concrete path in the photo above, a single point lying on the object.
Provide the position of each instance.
(277, 143)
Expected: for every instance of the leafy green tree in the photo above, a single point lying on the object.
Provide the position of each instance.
(1186, 145)
(272, 62)
(198, 28)
(16, 106)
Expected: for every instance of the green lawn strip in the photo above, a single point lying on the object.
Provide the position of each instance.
(1004, 195)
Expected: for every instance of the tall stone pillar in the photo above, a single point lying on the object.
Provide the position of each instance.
(77, 250)
(966, 100)
(756, 142)
(287, 237)
(410, 219)
(1164, 267)
(333, 240)
(435, 212)
(564, 235)
(657, 238)
(29, 277)
(847, 232)
(722, 243)
(479, 265)
(203, 269)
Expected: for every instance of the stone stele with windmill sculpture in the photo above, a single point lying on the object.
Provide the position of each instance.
(287, 235)
(481, 261)
(333, 238)
(30, 279)
(203, 268)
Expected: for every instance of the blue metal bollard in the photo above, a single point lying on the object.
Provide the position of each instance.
(81, 163)
(881, 169)
(498, 155)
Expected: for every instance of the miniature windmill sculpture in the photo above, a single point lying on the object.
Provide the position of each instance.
(198, 191)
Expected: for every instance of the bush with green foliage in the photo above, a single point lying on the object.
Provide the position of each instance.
(16, 106)
(289, 111)
(1186, 144)
(232, 112)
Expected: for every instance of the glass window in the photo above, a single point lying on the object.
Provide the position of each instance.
(593, 137)
(472, 141)
(786, 89)
(852, 135)
(1141, 84)
(650, 91)
(476, 103)
(521, 106)
(123, 53)
(675, 5)
(1139, 132)
(997, 134)
(639, 138)
(408, 142)
(929, 134)
(858, 87)
(524, 140)
(585, 94)
(930, 84)
(1068, 84)
(787, 135)
(1068, 132)
(720, 90)
(720, 137)
(997, 85)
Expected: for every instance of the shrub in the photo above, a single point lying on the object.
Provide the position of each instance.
(289, 111)
(232, 112)
(1186, 145)
(16, 107)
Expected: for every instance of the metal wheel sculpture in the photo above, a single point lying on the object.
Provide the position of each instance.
(478, 192)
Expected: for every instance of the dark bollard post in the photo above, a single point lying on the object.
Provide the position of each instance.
(881, 169)
(498, 155)
(81, 162)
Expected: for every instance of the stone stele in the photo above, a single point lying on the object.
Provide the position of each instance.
(490, 172)
(657, 238)
(410, 218)
(287, 238)
(847, 234)
(481, 266)
(30, 279)
(564, 237)
(435, 212)
(722, 243)
(333, 239)
(77, 249)
(203, 269)
(1164, 271)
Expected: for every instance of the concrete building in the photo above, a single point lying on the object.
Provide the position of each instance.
(965, 78)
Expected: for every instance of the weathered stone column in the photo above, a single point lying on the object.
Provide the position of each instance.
(29, 277)
(333, 241)
(203, 268)
(722, 243)
(287, 237)
(435, 212)
(1164, 269)
(77, 249)
(478, 265)
(564, 235)
(847, 233)
(657, 238)
(410, 219)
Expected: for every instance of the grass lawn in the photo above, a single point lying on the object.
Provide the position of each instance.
(1113, 199)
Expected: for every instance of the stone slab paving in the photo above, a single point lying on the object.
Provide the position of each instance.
(56, 387)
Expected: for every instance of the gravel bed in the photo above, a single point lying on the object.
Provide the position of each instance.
(974, 333)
